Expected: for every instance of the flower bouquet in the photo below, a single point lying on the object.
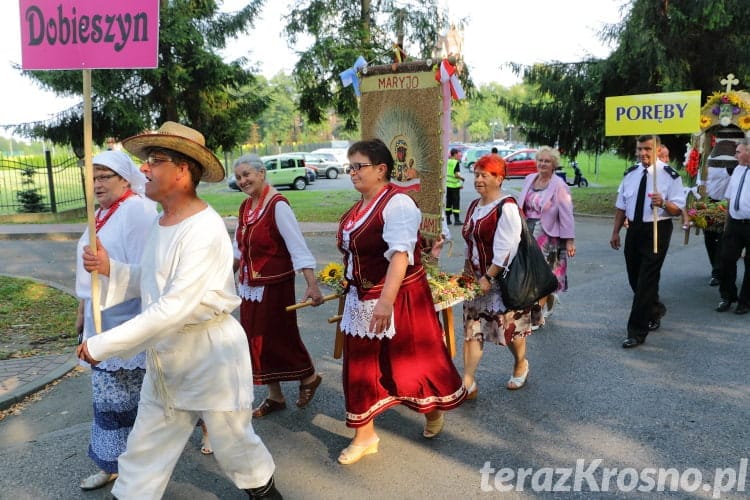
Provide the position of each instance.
(332, 277)
(709, 215)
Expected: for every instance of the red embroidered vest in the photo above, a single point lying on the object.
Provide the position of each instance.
(481, 232)
(263, 252)
(367, 249)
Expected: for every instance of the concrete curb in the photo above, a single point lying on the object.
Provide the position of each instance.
(37, 383)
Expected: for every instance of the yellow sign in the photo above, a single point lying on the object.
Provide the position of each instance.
(661, 114)
(396, 81)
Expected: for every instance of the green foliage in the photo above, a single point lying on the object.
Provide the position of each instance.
(343, 30)
(192, 84)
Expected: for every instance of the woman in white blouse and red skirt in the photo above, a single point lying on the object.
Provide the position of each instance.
(394, 351)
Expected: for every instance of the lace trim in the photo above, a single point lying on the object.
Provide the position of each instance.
(357, 316)
(251, 293)
(492, 302)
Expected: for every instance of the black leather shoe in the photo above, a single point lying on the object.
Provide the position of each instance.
(742, 309)
(631, 342)
(714, 282)
(723, 306)
(268, 492)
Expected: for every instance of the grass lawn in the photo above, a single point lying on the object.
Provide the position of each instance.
(35, 319)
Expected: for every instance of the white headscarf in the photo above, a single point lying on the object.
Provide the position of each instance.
(120, 163)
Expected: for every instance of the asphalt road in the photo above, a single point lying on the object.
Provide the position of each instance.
(680, 401)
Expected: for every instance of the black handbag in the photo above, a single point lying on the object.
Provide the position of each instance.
(528, 277)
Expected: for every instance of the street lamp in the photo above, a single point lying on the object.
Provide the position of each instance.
(510, 133)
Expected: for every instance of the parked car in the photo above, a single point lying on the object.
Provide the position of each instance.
(520, 163)
(283, 170)
(339, 153)
(325, 164)
(471, 155)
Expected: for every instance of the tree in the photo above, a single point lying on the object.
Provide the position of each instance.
(343, 30)
(192, 84)
(661, 46)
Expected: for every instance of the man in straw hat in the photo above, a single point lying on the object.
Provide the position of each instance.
(198, 364)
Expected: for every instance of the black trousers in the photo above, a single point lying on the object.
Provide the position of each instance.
(736, 237)
(453, 201)
(644, 272)
(712, 240)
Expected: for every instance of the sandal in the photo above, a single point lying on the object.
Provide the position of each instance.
(268, 406)
(206, 445)
(353, 453)
(97, 480)
(471, 392)
(519, 381)
(433, 427)
(307, 392)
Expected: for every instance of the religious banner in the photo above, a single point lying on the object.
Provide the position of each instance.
(89, 34)
(403, 105)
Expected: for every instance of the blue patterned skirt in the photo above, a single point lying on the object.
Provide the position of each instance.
(115, 395)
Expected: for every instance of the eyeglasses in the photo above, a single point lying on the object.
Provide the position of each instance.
(105, 177)
(154, 161)
(354, 167)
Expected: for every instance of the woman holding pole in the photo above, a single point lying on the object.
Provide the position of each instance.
(123, 220)
(269, 249)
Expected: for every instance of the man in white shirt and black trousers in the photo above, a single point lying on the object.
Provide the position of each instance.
(736, 236)
(635, 200)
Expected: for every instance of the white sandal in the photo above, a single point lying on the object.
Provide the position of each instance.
(95, 481)
(520, 381)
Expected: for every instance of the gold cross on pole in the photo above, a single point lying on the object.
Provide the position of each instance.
(729, 81)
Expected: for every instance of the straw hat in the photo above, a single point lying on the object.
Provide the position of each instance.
(182, 139)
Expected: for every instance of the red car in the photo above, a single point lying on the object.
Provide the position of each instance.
(521, 163)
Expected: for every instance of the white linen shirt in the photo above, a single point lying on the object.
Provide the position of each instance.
(198, 356)
(671, 189)
(732, 193)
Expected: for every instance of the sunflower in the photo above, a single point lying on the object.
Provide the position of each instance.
(705, 122)
(744, 122)
(332, 276)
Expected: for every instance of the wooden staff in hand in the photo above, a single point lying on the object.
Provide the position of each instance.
(309, 302)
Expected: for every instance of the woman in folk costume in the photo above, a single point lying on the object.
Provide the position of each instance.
(269, 248)
(393, 350)
(492, 232)
(123, 220)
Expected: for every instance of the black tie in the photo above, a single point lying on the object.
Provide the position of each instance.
(638, 218)
(739, 190)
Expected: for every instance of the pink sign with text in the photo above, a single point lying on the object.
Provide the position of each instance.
(89, 34)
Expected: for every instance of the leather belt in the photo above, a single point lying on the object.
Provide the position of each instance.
(741, 221)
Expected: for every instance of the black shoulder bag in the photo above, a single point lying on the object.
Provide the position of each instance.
(528, 277)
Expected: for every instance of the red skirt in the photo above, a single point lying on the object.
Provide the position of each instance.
(276, 348)
(413, 368)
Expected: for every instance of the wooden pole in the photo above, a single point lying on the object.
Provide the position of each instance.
(655, 210)
(308, 302)
(89, 183)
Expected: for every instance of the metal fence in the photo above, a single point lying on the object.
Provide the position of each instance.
(41, 185)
